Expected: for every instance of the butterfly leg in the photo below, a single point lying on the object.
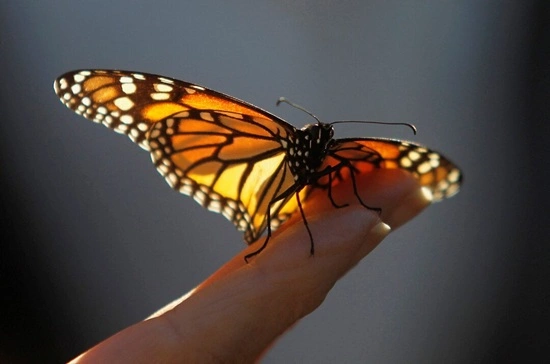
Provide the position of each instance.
(312, 246)
(328, 172)
(282, 196)
(330, 192)
(354, 184)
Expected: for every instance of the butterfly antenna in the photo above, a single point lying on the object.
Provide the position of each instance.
(283, 99)
(411, 126)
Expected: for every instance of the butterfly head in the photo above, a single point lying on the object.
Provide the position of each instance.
(317, 136)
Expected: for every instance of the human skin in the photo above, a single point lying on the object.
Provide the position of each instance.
(239, 311)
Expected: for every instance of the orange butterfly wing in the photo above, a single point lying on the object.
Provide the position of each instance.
(224, 152)
(131, 102)
(230, 163)
(437, 174)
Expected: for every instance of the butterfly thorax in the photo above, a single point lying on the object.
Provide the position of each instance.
(307, 150)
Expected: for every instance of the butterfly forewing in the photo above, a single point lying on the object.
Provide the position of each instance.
(131, 102)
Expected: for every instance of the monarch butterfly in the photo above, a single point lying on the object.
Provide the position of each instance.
(235, 158)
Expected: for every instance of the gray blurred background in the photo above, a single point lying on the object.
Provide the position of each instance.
(94, 239)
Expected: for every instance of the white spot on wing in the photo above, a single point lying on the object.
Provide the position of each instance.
(215, 206)
(172, 179)
(162, 87)
(142, 126)
(186, 189)
(453, 175)
(406, 162)
(126, 79)
(200, 197)
(163, 169)
(62, 84)
(124, 103)
(424, 168)
(166, 80)
(129, 88)
(76, 88)
(414, 156)
(160, 96)
(127, 119)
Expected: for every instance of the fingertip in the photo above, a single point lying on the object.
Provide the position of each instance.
(397, 193)
(407, 207)
(378, 233)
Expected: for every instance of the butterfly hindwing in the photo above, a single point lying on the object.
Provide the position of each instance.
(230, 163)
(434, 172)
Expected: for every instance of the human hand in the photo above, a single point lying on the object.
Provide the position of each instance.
(238, 312)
